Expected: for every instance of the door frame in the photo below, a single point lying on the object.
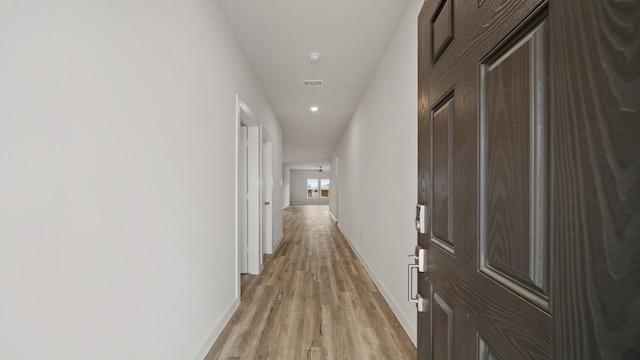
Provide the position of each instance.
(267, 193)
(246, 117)
(241, 202)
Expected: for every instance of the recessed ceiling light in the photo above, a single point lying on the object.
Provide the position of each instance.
(314, 57)
(314, 108)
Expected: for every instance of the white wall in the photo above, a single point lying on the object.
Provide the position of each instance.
(286, 186)
(335, 188)
(276, 196)
(378, 170)
(298, 187)
(116, 168)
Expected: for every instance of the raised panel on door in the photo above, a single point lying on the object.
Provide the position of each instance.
(442, 118)
(513, 326)
(441, 325)
(514, 164)
(485, 352)
(441, 29)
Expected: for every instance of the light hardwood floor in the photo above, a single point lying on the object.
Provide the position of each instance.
(313, 300)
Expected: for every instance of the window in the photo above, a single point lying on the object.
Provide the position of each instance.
(324, 188)
(312, 188)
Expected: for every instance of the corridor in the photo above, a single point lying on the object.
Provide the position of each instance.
(313, 300)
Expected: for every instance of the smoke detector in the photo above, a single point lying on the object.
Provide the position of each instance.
(314, 57)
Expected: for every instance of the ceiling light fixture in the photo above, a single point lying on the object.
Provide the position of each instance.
(314, 108)
(314, 57)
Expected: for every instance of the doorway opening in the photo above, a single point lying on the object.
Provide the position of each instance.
(254, 191)
(267, 191)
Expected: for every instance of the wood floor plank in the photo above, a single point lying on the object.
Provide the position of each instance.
(313, 300)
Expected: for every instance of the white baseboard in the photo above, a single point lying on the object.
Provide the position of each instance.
(411, 330)
(298, 204)
(277, 243)
(333, 217)
(201, 352)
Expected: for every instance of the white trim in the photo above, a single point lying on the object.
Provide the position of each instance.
(404, 321)
(334, 219)
(267, 187)
(203, 350)
(245, 116)
(277, 243)
(238, 122)
(324, 204)
(254, 200)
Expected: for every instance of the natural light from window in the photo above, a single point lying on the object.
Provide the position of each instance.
(324, 188)
(312, 188)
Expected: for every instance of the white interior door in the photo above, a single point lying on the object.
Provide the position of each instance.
(267, 185)
(254, 208)
(243, 235)
(334, 189)
(249, 193)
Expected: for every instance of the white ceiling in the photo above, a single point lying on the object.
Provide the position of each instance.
(278, 35)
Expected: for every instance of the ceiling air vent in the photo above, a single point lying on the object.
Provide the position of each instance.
(312, 83)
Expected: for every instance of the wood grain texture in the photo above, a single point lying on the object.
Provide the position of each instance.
(477, 31)
(441, 197)
(484, 351)
(442, 25)
(594, 183)
(313, 300)
(595, 84)
(424, 116)
(511, 324)
(508, 157)
(514, 160)
(442, 329)
(465, 169)
(424, 164)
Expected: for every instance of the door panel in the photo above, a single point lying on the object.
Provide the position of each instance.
(512, 325)
(596, 164)
(529, 167)
(243, 204)
(481, 117)
(441, 328)
(485, 352)
(513, 163)
(465, 219)
(442, 28)
(442, 117)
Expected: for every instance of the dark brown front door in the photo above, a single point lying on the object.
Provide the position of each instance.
(529, 166)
